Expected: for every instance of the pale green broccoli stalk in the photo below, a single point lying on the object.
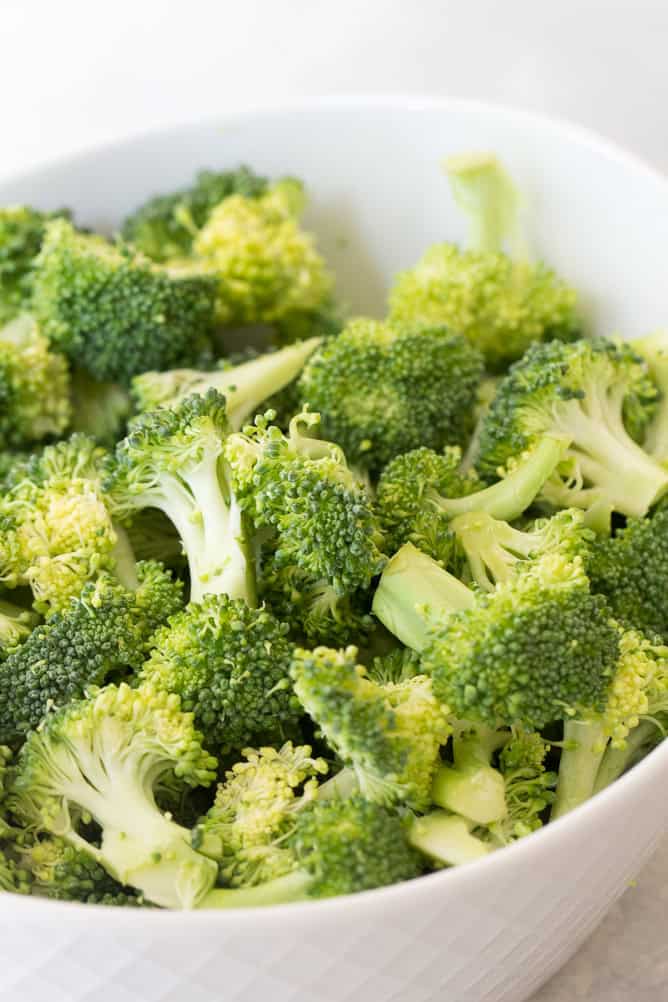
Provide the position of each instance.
(501, 303)
(338, 846)
(383, 390)
(113, 312)
(471, 786)
(104, 758)
(245, 830)
(245, 386)
(21, 234)
(229, 665)
(447, 839)
(598, 395)
(106, 629)
(99, 410)
(390, 735)
(164, 227)
(34, 386)
(302, 489)
(172, 460)
(654, 350)
(267, 268)
(420, 492)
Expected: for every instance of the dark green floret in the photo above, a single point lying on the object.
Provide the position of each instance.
(598, 395)
(113, 312)
(383, 390)
(164, 227)
(63, 873)
(21, 234)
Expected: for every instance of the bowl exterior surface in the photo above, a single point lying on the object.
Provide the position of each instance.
(493, 931)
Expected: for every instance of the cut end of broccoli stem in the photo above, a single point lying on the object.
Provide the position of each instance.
(283, 890)
(412, 585)
(485, 192)
(477, 792)
(447, 839)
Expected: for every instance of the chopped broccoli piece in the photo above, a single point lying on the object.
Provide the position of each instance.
(21, 234)
(34, 386)
(113, 312)
(471, 787)
(229, 665)
(164, 227)
(447, 839)
(384, 390)
(104, 758)
(598, 395)
(501, 303)
(389, 734)
(529, 787)
(65, 873)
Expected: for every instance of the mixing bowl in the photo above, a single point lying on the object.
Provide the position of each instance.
(494, 930)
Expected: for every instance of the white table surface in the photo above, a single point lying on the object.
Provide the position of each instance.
(75, 73)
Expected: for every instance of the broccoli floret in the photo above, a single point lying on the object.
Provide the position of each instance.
(99, 410)
(654, 350)
(244, 386)
(64, 873)
(339, 846)
(229, 665)
(103, 758)
(21, 234)
(302, 489)
(106, 629)
(631, 570)
(384, 390)
(267, 268)
(501, 303)
(599, 396)
(34, 386)
(165, 225)
(254, 811)
(421, 491)
(113, 312)
(16, 625)
(529, 787)
(389, 734)
(172, 461)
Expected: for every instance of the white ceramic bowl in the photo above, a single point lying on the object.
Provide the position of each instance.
(491, 931)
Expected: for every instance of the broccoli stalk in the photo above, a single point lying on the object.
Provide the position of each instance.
(582, 751)
(471, 787)
(447, 839)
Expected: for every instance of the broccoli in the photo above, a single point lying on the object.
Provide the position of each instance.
(164, 227)
(338, 846)
(421, 491)
(302, 489)
(254, 811)
(21, 234)
(64, 873)
(106, 629)
(447, 839)
(99, 410)
(389, 734)
(631, 570)
(267, 268)
(34, 386)
(244, 386)
(103, 758)
(229, 665)
(529, 787)
(501, 303)
(595, 393)
(384, 390)
(16, 625)
(172, 460)
(654, 350)
(113, 312)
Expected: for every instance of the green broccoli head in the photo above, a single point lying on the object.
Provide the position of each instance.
(389, 734)
(113, 312)
(267, 268)
(529, 786)
(302, 489)
(164, 227)
(384, 390)
(34, 386)
(107, 629)
(598, 395)
(501, 303)
(21, 234)
(229, 665)
(103, 758)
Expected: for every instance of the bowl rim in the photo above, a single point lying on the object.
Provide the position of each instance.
(647, 771)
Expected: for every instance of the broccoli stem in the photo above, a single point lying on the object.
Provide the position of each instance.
(510, 497)
(582, 752)
(412, 589)
(292, 887)
(472, 787)
(617, 760)
(126, 564)
(484, 191)
(446, 838)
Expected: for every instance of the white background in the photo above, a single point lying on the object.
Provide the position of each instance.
(75, 72)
